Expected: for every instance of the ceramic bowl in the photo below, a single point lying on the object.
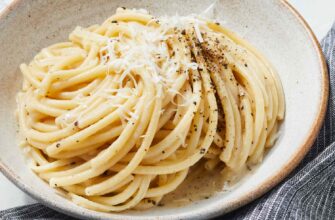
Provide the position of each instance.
(272, 26)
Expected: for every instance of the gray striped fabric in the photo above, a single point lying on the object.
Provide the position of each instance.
(308, 193)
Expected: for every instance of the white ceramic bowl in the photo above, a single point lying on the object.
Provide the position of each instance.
(271, 25)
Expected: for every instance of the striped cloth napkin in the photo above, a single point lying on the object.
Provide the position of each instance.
(308, 193)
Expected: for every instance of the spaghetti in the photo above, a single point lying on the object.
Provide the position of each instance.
(117, 116)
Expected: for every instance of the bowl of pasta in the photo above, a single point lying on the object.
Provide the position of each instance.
(152, 109)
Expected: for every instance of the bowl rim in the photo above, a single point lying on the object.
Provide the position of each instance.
(255, 193)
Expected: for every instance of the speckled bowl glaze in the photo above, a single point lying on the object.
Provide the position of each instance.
(273, 26)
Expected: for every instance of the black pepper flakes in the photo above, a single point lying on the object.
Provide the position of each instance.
(58, 145)
(76, 123)
(202, 150)
(151, 201)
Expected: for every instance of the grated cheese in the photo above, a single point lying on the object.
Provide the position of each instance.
(148, 49)
(198, 33)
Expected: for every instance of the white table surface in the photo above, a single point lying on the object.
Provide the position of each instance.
(319, 14)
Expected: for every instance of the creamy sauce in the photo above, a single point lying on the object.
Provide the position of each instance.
(201, 184)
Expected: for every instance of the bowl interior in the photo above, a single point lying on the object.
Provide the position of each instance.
(268, 25)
